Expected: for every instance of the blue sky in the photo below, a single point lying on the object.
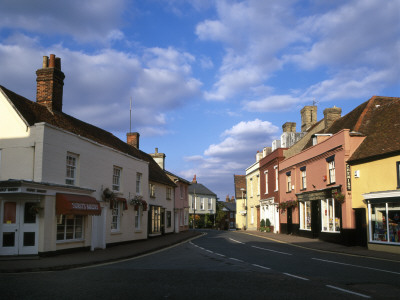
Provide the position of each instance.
(212, 82)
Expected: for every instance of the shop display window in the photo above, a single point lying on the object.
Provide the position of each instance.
(330, 215)
(305, 215)
(385, 222)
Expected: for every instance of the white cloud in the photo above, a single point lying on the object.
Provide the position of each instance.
(272, 103)
(85, 21)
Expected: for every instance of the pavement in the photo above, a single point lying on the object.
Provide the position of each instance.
(77, 259)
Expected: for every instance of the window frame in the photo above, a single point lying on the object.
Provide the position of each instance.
(210, 207)
(398, 173)
(71, 168)
(276, 178)
(115, 216)
(75, 226)
(138, 219)
(288, 182)
(139, 183)
(303, 175)
(329, 205)
(152, 190)
(116, 179)
(387, 223)
(169, 193)
(266, 182)
(202, 203)
(305, 219)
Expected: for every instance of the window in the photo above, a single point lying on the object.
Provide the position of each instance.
(258, 185)
(116, 179)
(251, 187)
(288, 182)
(169, 193)
(138, 183)
(70, 177)
(397, 168)
(266, 182)
(169, 220)
(152, 190)
(202, 203)
(181, 191)
(186, 217)
(276, 178)
(305, 215)
(231, 215)
(385, 222)
(330, 220)
(115, 216)
(331, 169)
(70, 228)
(193, 202)
(138, 214)
(210, 204)
(303, 178)
(155, 219)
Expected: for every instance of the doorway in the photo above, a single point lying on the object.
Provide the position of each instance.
(289, 220)
(19, 227)
(315, 219)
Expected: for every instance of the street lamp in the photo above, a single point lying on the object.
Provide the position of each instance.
(194, 210)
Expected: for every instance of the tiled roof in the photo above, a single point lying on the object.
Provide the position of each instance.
(229, 205)
(177, 177)
(33, 113)
(378, 119)
(200, 189)
(240, 182)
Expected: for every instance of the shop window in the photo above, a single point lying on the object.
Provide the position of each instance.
(71, 168)
(116, 183)
(155, 219)
(330, 215)
(115, 216)
(169, 219)
(305, 215)
(398, 174)
(70, 228)
(385, 222)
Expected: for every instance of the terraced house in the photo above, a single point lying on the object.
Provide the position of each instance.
(68, 184)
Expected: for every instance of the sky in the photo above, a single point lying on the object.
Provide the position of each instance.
(211, 82)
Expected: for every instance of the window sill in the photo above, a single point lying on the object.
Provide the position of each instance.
(116, 232)
(288, 192)
(152, 196)
(70, 241)
(332, 183)
(303, 189)
(138, 230)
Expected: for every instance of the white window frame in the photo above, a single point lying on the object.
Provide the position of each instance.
(331, 171)
(138, 218)
(276, 178)
(373, 236)
(202, 204)
(139, 183)
(258, 185)
(75, 226)
(303, 179)
(305, 207)
(116, 179)
(288, 183)
(116, 216)
(71, 168)
(152, 189)
(266, 182)
(169, 193)
(210, 207)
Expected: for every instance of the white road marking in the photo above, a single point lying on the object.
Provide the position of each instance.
(235, 259)
(262, 267)
(209, 251)
(347, 291)
(298, 277)
(220, 254)
(339, 263)
(265, 249)
(236, 241)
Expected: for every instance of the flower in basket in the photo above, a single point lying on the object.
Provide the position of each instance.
(138, 201)
(108, 194)
(339, 197)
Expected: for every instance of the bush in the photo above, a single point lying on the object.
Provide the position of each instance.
(262, 223)
(267, 223)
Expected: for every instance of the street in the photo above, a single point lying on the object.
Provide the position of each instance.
(217, 265)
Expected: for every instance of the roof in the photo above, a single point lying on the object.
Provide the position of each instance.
(177, 177)
(240, 182)
(200, 189)
(229, 205)
(33, 112)
(378, 120)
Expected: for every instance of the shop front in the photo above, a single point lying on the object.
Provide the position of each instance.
(384, 221)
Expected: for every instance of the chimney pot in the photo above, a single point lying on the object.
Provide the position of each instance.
(52, 61)
(45, 62)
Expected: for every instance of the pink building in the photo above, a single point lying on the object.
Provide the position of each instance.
(315, 188)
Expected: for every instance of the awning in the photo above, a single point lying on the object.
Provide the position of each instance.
(119, 199)
(70, 204)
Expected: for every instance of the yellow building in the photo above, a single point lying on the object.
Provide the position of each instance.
(375, 187)
(253, 196)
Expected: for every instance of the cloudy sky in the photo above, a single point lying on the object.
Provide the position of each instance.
(211, 82)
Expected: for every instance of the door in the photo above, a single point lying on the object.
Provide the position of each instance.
(315, 218)
(177, 220)
(289, 220)
(19, 228)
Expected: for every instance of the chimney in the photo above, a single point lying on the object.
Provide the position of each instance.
(50, 82)
(159, 158)
(331, 115)
(227, 198)
(132, 138)
(194, 179)
(308, 117)
(289, 127)
(259, 156)
(233, 199)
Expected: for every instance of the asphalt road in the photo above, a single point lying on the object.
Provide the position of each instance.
(218, 265)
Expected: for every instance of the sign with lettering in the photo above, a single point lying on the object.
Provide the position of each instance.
(348, 177)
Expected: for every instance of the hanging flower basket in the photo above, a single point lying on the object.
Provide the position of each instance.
(284, 205)
(138, 201)
(339, 197)
(108, 195)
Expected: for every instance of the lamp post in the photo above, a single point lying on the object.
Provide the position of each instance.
(194, 210)
(245, 205)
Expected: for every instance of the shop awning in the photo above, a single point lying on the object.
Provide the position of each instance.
(119, 199)
(70, 204)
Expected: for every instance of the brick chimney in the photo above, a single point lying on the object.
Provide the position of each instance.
(194, 179)
(159, 158)
(331, 115)
(50, 82)
(132, 138)
(289, 127)
(227, 198)
(308, 117)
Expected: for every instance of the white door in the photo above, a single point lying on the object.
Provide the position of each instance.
(19, 228)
